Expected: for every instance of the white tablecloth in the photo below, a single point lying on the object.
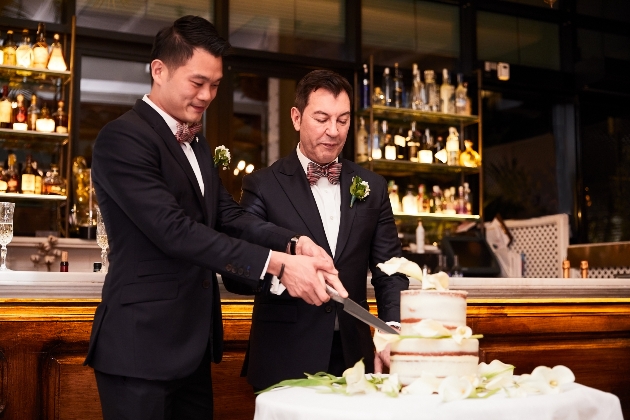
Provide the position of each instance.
(575, 402)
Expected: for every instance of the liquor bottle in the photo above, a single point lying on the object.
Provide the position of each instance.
(40, 48)
(28, 176)
(420, 238)
(361, 142)
(20, 113)
(56, 61)
(467, 198)
(378, 98)
(365, 90)
(1, 61)
(469, 157)
(398, 87)
(63, 265)
(24, 51)
(33, 113)
(441, 265)
(460, 208)
(12, 174)
(61, 119)
(394, 201)
(38, 178)
(447, 94)
(433, 99)
(6, 111)
(461, 98)
(389, 148)
(413, 142)
(9, 49)
(410, 201)
(400, 140)
(418, 93)
(377, 152)
(424, 205)
(388, 87)
(456, 269)
(3, 182)
(436, 200)
(426, 148)
(440, 154)
(452, 147)
(447, 203)
(53, 183)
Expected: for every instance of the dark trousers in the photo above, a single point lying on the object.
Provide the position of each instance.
(337, 364)
(126, 398)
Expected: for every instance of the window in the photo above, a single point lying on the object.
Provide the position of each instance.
(37, 10)
(313, 28)
(144, 17)
(607, 9)
(518, 41)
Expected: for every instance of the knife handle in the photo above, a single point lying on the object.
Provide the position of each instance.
(334, 294)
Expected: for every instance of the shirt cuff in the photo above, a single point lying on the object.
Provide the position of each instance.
(264, 271)
(276, 287)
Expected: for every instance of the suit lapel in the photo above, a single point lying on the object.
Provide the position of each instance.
(158, 124)
(292, 180)
(206, 165)
(347, 213)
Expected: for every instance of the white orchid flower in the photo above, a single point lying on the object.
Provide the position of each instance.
(437, 281)
(356, 382)
(453, 388)
(461, 333)
(430, 328)
(553, 378)
(426, 384)
(382, 339)
(496, 374)
(391, 385)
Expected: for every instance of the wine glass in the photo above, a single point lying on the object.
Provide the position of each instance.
(6, 230)
(101, 239)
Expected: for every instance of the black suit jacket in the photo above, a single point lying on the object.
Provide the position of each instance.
(288, 336)
(160, 309)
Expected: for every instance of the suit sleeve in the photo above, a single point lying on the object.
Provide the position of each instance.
(127, 170)
(385, 245)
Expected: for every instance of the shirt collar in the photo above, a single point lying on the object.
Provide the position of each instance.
(170, 121)
(305, 161)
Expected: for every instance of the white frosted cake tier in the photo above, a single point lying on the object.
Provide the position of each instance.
(447, 307)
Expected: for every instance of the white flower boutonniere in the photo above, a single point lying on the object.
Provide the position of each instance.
(358, 190)
(222, 157)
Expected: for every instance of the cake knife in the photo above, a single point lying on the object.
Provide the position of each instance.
(359, 312)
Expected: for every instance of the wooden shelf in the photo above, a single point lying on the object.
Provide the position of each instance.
(407, 114)
(16, 138)
(405, 168)
(26, 75)
(438, 216)
(32, 197)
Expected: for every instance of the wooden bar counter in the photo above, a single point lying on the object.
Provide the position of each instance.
(45, 322)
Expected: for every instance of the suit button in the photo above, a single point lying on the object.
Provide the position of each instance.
(206, 284)
(240, 271)
(228, 267)
(328, 309)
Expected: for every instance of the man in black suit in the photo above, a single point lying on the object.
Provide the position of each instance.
(289, 337)
(171, 226)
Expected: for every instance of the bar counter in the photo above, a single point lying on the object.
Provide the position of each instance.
(45, 322)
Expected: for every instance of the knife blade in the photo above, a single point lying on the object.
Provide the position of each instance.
(359, 312)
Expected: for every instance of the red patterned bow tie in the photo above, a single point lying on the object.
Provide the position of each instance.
(186, 132)
(330, 171)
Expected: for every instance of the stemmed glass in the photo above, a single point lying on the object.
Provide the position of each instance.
(101, 239)
(6, 230)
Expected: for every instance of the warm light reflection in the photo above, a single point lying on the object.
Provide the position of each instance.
(236, 171)
(241, 165)
(249, 169)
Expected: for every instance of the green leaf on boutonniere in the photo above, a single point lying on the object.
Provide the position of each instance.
(358, 190)
(221, 157)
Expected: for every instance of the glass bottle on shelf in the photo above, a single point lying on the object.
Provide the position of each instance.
(20, 112)
(12, 174)
(361, 142)
(441, 265)
(379, 97)
(56, 61)
(460, 208)
(365, 88)
(387, 87)
(420, 238)
(394, 200)
(447, 94)
(433, 99)
(398, 87)
(40, 48)
(424, 205)
(8, 49)
(452, 147)
(28, 176)
(401, 145)
(456, 270)
(440, 154)
(61, 119)
(469, 157)
(413, 142)
(418, 93)
(461, 96)
(377, 152)
(53, 183)
(24, 51)
(436, 200)
(410, 201)
(38, 178)
(389, 148)
(3, 183)
(467, 198)
(6, 111)
(425, 154)
(33, 113)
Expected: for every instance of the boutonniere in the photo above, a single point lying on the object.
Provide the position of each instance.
(222, 157)
(358, 190)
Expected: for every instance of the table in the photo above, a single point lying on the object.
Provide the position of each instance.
(575, 402)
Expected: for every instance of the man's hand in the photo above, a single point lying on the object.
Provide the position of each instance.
(305, 277)
(306, 246)
(381, 358)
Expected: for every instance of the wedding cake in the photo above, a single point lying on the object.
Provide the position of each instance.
(446, 352)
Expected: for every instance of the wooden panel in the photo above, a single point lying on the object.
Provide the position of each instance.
(3, 382)
(233, 397)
